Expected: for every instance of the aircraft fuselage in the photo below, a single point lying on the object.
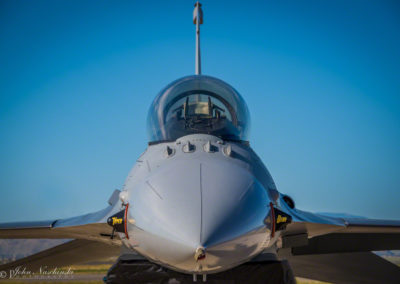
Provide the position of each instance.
(199, 204)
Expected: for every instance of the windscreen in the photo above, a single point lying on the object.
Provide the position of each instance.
(198, 104)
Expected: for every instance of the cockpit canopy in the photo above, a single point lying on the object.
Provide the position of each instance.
(198, 104)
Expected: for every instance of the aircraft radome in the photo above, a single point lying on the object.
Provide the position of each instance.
(199, 205)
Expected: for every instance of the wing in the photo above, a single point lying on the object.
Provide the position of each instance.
(338, 248)
(72, 252)
(92, 226)
(312, 233)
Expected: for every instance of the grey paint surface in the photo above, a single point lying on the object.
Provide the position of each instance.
(216, 200)
(197, 199)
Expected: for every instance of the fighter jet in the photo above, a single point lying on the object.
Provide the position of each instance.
(200, 205)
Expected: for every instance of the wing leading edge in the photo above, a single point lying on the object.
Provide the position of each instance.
(375, 234)
(92, 226)
(338, 248)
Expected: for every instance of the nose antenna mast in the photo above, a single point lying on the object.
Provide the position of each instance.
(197, 20)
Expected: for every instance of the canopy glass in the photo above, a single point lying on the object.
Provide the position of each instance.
(198, 104)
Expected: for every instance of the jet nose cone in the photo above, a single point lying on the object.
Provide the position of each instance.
(233, 203)
(191, 212)
(169, 203)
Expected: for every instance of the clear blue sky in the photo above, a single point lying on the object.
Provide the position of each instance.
(321, 79)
